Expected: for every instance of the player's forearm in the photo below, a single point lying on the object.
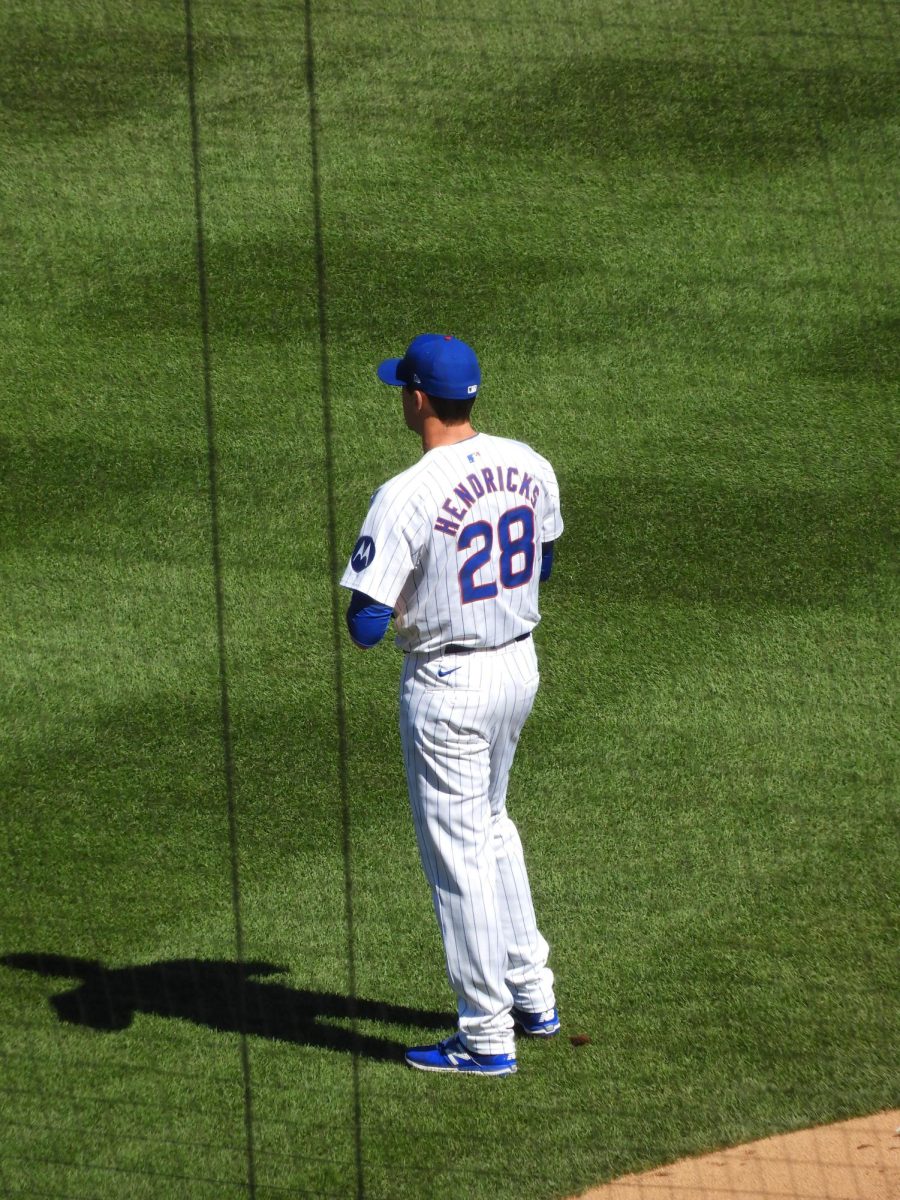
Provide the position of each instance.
(547, 551)
(367, 620)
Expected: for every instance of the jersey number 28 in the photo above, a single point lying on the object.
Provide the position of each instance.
(515, 536)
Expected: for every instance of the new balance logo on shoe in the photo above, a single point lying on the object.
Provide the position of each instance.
(452, 1055)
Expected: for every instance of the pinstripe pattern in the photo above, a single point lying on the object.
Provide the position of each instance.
(416, 565)
(459, 733)
(453, 546)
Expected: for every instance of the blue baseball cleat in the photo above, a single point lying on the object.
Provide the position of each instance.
(542, 1024)
(451, 1055)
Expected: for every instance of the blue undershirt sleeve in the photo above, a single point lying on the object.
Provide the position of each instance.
(546, 560)
(367, 620)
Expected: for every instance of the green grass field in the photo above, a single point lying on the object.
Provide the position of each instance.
(670, 230)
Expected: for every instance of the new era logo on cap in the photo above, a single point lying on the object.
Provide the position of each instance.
(439, 364)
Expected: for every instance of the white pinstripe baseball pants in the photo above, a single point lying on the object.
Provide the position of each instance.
(460, 720)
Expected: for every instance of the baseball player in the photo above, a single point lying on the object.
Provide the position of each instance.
(454, 549)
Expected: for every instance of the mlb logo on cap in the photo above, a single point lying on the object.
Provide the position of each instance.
(440, 364)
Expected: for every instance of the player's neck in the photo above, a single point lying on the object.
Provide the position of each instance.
(435, 433)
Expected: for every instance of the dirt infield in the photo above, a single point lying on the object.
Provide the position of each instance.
(855, 1160)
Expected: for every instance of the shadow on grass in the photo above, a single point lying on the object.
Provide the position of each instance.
(720, 112)
(646, 538)
(224, 996)
(73, 81)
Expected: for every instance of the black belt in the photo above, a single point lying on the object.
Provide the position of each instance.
(454, 649)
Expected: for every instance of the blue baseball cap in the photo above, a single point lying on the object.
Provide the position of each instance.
(435, 363)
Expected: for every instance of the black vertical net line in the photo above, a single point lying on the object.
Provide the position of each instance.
(798, 218)
(831, 189)
(830, 186)
(340, 706)
(216, 552)
(863, 179)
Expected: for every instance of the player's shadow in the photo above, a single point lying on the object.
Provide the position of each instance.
(222, 995)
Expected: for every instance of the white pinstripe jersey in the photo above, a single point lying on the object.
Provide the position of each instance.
(453, 545)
